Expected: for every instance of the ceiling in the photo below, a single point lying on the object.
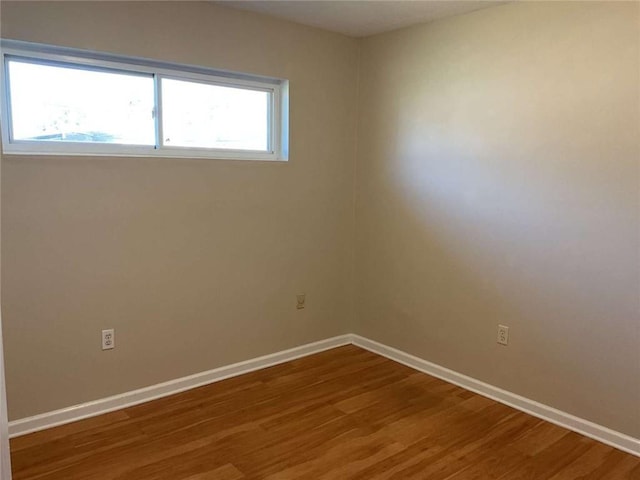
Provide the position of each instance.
(360, 18)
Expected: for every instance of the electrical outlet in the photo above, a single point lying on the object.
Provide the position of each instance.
(503, 335)
(301, 299)
(108, 339)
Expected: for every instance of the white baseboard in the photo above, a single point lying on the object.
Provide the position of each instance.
(135, 397)
(78, 412)
(584, 427)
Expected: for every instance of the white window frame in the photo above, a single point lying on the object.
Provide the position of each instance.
(61, 56)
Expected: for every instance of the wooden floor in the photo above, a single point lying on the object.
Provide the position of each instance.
(341, 414)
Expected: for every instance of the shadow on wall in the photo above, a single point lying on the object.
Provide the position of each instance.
(483, 202)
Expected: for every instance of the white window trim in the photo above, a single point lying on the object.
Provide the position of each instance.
(40, 53)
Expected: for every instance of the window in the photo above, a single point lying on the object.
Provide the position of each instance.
(74, 102)
(213, 116)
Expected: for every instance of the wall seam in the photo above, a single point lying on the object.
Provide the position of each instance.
(356, 150)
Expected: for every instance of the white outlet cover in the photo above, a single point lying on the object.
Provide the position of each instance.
(108, 339)
(503, 335)
(301, 297)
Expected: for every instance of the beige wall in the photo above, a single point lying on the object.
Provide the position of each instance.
(195, 263)
(497, 182)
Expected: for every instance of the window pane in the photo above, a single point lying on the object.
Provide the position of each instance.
(211, 116)
(52, 103)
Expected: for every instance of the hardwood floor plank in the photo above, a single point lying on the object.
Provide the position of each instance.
(585, 464)
(344, 414)
(226, 472)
